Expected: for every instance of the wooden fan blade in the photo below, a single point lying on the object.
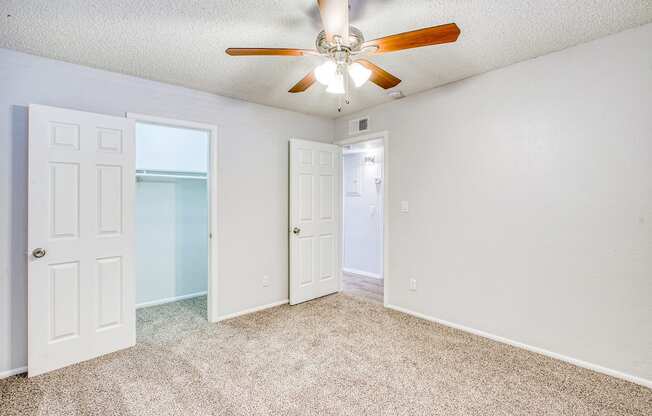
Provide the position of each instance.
(334, 18)
(379, 76)
(304, 84)
(268, 51)
(417, 38)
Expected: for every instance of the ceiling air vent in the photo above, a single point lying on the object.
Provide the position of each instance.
(358, 125)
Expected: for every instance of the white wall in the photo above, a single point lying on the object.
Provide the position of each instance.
(191, 236)
(362, 213)
(171, 148)
(253, 165)
(171, 239)
(156, 226)
(530, 192)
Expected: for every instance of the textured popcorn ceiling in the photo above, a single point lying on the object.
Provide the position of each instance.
(183, 42)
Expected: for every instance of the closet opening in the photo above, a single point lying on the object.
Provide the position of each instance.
(174, 222)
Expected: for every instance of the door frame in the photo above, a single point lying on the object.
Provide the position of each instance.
(384, 135)
(213, 182)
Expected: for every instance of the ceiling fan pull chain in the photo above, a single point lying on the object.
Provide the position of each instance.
(347, 88)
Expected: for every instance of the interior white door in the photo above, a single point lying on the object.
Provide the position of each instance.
(314, 220)
(80, 237)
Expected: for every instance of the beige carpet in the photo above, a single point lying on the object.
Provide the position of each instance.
(338, 355)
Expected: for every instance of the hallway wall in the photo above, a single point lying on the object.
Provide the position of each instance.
(363, 213)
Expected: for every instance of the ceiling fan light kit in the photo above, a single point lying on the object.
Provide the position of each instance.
(331, 74)
(345, 50)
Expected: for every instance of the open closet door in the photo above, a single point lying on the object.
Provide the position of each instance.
(80, 237)
(314, 220)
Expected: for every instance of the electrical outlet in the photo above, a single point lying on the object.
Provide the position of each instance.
(265, 281)
(405, 206)
(413, 284)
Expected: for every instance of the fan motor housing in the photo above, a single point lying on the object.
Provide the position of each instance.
(353, 44)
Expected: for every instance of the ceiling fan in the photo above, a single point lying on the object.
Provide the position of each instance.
(345, 50)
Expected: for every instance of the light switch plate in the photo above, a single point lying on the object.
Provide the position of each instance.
(404, 206)
(413, 284)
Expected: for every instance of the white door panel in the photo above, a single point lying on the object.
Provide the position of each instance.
(80, 211)
(314, 220)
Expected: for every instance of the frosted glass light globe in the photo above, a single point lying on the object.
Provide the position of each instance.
(326, 72)
(336, 85)
(359, 74)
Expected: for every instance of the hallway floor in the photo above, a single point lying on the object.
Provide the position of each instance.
(366, 287)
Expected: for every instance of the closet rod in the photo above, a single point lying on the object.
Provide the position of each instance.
(170, 174)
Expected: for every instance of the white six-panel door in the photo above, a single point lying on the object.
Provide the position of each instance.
(314, 220)
(80, 237)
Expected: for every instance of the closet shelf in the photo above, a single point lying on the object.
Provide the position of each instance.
(166, 174)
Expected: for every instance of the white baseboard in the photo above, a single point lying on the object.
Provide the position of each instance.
(570, 360)
(252, 310)
(361, 273)
(13, 372)
(169, 300)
